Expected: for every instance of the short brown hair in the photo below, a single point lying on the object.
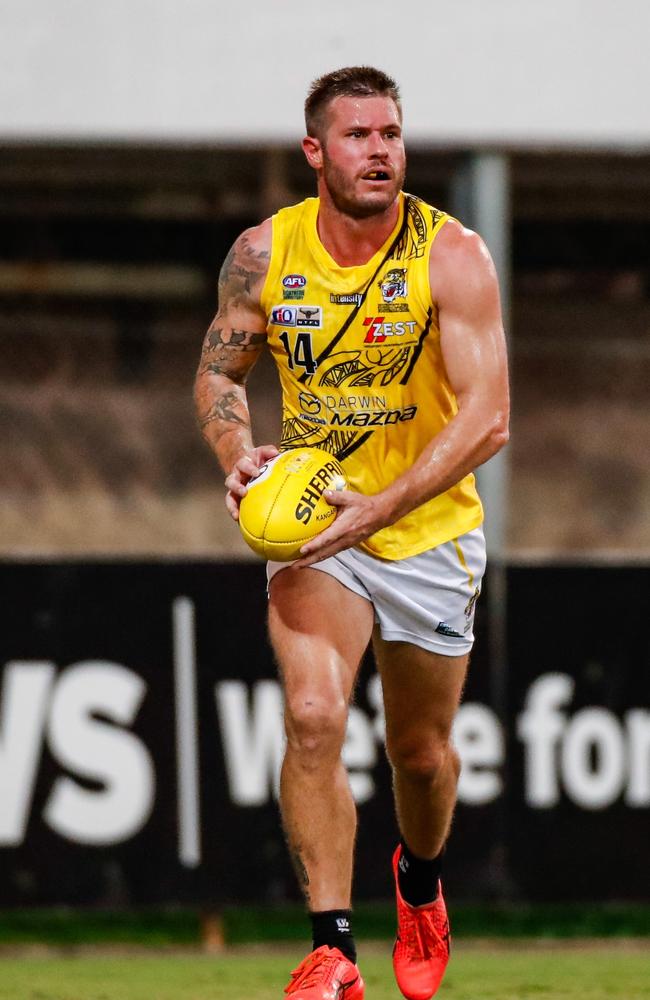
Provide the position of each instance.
(352, 81)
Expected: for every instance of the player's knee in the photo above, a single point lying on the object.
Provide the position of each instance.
(424, 759)
(316, 727)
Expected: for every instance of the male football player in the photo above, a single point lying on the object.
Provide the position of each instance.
(382, 314)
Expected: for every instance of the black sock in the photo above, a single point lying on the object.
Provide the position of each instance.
(418, 877)
(334, 928)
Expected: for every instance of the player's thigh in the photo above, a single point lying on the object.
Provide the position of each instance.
(422, 692)
(319, 631)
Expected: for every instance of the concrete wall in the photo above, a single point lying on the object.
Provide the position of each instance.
(511, 72)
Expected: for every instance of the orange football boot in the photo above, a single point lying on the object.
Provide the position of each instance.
(421, 950)
(326, 974)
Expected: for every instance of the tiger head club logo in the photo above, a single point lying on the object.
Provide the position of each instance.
(393, 284)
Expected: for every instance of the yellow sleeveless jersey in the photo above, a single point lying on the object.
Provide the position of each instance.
(362, 374)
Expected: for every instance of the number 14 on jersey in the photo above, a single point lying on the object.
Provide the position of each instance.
(301, 354)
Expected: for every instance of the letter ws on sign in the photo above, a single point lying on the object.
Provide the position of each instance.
(37, 707)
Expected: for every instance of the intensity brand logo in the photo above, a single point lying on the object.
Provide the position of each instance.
(349, 299)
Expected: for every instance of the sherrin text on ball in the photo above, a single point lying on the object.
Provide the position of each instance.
(285, 507)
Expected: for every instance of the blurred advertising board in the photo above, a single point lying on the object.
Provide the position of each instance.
(141, 737)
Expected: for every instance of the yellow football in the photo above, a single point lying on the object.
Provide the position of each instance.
(284, 506)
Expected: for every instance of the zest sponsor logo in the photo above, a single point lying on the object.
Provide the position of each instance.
(379, 328)
(374, 334)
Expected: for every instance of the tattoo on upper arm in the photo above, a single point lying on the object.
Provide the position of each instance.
(241, 277)
(224, 273)
(243, 268)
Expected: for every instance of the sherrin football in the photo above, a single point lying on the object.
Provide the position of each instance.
(284, 506)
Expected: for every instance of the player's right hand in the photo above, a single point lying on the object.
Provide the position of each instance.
(242, 471)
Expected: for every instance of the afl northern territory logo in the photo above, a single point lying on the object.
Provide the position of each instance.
(294, 286)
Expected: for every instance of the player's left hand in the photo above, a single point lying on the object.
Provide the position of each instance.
(358, 517)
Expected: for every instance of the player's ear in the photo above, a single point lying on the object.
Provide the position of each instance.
(312, 149)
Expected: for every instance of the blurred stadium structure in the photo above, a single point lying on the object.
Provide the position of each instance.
(108, 270)
(124, 179)
(117, 214)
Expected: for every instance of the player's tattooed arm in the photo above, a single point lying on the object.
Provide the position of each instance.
(232, 344)
(225, 351)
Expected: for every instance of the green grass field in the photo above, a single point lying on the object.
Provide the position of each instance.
(589, 971)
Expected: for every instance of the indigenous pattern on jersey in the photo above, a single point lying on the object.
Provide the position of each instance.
(360, 364)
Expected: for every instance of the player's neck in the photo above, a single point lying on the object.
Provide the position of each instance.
(350, 241)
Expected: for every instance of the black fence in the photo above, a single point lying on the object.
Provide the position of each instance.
(141, 737)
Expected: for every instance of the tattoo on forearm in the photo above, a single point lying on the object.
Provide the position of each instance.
(228, 352)
(223, 410)
(243, 340)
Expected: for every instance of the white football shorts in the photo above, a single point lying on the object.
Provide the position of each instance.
(428, 599)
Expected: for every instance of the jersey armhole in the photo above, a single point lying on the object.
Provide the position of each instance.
(444, 217)
(438, 226)
(423, 283)
(268, 281)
